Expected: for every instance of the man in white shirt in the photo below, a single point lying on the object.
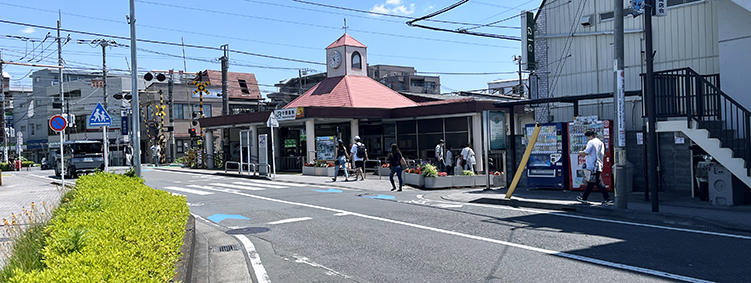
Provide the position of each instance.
(594, 153)
(449, 160)
(359, 158)
(468, 156)
(156, 151)
(439, 156)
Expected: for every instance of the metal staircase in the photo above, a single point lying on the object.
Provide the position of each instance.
(714, 121)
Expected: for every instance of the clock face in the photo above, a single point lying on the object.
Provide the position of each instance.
(335, 59)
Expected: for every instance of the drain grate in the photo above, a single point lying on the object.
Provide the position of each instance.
(229, 248)
(247, 230)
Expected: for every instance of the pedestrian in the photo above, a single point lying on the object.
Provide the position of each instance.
(468, 158)
(449, 160)
(397, 164)
(359, 154)
(594, 152)
(341, 160)
(439, 161)
(12, 162)
(155, 151)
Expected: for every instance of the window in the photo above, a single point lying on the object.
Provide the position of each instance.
(243, 86)
(179, 146)
(32, 129)
(206, 109)
(356, 64)
(418, 83)
(178, 111)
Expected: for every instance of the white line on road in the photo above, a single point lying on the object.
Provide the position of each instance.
(611, 221)
(260, 185)
(500, 242)
(190, 191)
(289, 220)
(238, 187)
(279, 183)
(231, 191)
(255, 259)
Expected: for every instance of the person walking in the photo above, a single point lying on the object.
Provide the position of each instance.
(360, 154)
(341, 160)
(449, 160)
(155, 151)
(439, 161)
(594, 152)
(396, 163)
(468, 157)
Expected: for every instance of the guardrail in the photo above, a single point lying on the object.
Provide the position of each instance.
(377, 168)
(254, 167)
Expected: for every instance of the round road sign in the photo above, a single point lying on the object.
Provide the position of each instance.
(58, 123)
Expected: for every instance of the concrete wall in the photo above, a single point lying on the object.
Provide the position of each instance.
(734, 44)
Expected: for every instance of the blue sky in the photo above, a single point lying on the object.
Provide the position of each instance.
(280, 28)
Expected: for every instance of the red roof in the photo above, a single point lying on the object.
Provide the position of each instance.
(235, 88)
(351, 91)
(346, 40)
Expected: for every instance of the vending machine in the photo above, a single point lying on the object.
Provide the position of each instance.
(577, 142)
(547, 164)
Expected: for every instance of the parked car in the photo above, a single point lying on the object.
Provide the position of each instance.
(82, 156)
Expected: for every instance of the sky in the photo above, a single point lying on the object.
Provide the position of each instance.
(272, 39)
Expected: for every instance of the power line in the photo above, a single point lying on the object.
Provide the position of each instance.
(162, 42)
(466, 74)
(461, 31)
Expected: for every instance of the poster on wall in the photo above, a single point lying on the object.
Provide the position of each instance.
(325, 148)
(497, 122)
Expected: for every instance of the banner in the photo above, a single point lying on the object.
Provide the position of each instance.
(497, 122)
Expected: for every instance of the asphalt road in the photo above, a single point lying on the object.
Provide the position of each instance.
(305, 233)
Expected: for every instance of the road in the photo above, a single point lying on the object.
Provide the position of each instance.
(308, 233)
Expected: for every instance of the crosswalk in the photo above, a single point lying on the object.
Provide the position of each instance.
(214, 185)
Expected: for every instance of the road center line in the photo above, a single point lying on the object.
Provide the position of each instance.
(289, 220)
(255, 260)
(479, 238)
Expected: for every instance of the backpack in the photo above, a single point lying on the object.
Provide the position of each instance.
(360, 150)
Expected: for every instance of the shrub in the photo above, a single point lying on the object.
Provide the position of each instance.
(468, 173)
(112, 228)
(428, 170)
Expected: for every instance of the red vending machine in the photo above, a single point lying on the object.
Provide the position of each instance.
(577, 142)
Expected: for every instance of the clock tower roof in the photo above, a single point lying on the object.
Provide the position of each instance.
(346, 40)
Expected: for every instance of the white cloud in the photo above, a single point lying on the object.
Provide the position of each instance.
(28, 30)
(396, 7)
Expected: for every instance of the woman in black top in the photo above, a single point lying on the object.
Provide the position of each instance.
(395, 162)
(341, 159)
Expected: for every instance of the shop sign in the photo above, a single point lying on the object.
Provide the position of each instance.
(285, 114)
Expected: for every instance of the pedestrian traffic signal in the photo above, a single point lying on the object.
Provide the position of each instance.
(192, 133)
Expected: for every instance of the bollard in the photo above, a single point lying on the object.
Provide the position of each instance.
(623, 179)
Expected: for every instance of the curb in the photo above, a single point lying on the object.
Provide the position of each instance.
(665, 218)
(184, 265)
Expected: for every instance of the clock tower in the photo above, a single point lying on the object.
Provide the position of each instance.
(346, 57)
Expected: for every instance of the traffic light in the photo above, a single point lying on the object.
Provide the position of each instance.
(192, 133)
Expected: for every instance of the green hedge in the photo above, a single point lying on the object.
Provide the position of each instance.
(5, 166)
(112, 228)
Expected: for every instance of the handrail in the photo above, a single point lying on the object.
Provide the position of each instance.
(377, 168)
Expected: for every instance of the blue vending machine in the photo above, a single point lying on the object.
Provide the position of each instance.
(546, 167)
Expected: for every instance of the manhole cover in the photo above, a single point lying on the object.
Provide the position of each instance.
(229, 248)
(247, 230)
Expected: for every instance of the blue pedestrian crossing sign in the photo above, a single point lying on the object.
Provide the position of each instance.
(100, 117)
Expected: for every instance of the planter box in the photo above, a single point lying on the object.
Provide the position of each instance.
(439, 182)
(324, 171)
(415, 180)
(499, 180)
(462, 181)
(309, 170)
(385, 171)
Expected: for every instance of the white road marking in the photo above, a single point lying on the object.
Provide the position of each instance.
(190, 191)
(255, 259)
(500, 242)
(343, 214)
(238, 187)
(279, 183)
(612, 221)
(231, 191)
(289, 220)
(260, 185)
(329, 271)
(449, 205)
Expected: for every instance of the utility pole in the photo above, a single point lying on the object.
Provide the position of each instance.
(62, 99)
(170, 89)
(520, 87)
(2, 108)
(136, 141)
(106, 140)
(225, 103)
(619, 169)
(649, 99)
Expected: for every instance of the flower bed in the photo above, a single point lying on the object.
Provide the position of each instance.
(415, 180)
(309, 170)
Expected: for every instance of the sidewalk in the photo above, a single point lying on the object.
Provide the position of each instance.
(674, 209)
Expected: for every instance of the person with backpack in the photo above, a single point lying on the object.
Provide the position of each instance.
(360, 154)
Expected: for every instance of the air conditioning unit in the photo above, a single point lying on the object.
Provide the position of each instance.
(721, 187)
